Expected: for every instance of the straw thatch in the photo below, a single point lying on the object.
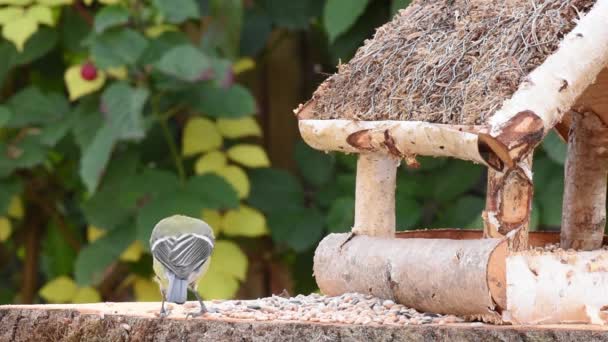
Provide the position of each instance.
(447, 61)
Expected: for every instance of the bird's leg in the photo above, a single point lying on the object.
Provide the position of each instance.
(163, 313)
(203, 308)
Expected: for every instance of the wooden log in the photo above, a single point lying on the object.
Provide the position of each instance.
(375, 195)
(557, 287)
(509, 204)
(586, 169)
(460, 277)
(552, 88)
(535, 239)
(108, 322)
(406, 139)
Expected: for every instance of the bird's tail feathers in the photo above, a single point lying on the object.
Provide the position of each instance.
(178, 289)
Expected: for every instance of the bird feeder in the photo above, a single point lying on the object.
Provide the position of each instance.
(482, 82)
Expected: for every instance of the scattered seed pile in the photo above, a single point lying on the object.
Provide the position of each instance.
(447, 61)
(350, 308)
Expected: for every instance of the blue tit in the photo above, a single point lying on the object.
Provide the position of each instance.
(181, 247)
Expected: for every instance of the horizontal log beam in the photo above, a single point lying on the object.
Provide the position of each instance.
(406, 139)
(459, 277)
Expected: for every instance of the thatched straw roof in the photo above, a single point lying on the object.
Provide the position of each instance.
(447, 61)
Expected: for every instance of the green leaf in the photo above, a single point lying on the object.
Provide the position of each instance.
(316, 167)
(212, 192)
(408, 212)
(54, 132)
(177, 11)
(110, 16)
(396, 5)
(8, 57)
(292, 14)
(299, 228)
(178, 202)
(455, 179)
(96, 156)
(549, 180)
(93, 259)
(460, 213)
(29, 152)
(233, 102)
(274, 190)
(185, 62)
(345, 46)
(118, 47)
(340, 15)
(165, 183)
(224, 32)
(5, 115)
(123, 105)
(257, 26)
(341, 215)
(534, 217)
(88, 119)
(347, 162)
(556, 149)
(43, 41)
(427, 163)
(74, 29)
(159, 46)
(9, 188)
(31, 106)
(57, 255)
(118, 194)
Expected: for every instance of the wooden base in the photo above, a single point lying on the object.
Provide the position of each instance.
(456, 272)
(108, 322)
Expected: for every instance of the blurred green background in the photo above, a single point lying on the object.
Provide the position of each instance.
(117, 113)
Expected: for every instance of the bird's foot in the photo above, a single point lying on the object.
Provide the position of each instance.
(163, 313)
(196, 313)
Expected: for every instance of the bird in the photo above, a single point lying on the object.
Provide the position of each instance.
(181, 248)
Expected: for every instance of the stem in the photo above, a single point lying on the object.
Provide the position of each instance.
(33, 224)
(164, 118)
(173, 148)
(83, 12)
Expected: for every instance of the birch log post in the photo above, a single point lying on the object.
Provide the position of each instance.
(509, 204)
(375, 195)
(586, 169)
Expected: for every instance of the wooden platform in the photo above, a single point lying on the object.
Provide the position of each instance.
(138, 322)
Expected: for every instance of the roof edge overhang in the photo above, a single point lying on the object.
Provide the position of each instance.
(404, 139)
(553, 88)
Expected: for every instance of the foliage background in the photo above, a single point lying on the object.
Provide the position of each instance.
(190, 112)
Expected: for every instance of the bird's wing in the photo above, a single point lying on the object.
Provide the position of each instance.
(184, 254)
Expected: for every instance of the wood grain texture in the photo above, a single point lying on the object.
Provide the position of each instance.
(38, 323)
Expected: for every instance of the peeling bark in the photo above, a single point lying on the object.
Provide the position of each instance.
(460, 277)
(375, 195)
(586, 169)
(520, 135)
(509, 204)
